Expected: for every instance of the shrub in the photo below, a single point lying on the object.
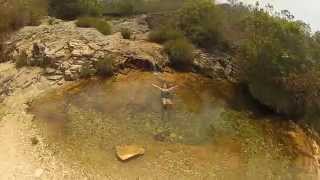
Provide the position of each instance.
(130, 7)
(165, 34)
(71, 9)
(21, 60)
(161, 5)
(180, 52)
(51, 21)
(276, 51)
(21, 13)
(105, 66)
(101, 25)
(86, 71)
(126, 33)
(18, 14)
(201, 22)
(124, 7)
(37, 9)
(85, 22)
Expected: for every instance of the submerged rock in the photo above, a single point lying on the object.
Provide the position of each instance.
(125, 152)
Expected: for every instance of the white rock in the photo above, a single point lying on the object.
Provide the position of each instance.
(38, 172)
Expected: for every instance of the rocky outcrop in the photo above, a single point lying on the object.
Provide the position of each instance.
(65, 49)
(66, 52)
(216, 66)
(305, 145)
(137, 25)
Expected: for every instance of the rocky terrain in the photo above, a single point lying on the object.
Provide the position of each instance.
(65, 49)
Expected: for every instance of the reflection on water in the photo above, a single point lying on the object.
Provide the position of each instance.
(203, 137)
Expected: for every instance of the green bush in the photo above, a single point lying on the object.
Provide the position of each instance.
(37, 9)
(200, 20)
(20, 13)
(21, 60)
(180, 52)
(161, 5)
(105, 66)
(124, 7)
(71, 9)
(101, 25)
(86, 71)
(131, 7)
(165, 34)
(278, 59)
(126, 33)
(86, 22)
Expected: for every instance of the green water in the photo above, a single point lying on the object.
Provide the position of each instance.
(212, 132)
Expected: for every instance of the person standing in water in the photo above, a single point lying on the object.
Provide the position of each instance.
(165, 97)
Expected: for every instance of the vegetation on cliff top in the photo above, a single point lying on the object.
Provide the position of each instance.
(71, 9)
(92, 22)
(16, 13)
(279, 56)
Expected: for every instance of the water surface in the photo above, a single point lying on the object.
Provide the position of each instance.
(213, 131)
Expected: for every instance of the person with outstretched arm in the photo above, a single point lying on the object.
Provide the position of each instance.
(165, 96)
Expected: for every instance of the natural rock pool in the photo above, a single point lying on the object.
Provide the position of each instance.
(213, 132)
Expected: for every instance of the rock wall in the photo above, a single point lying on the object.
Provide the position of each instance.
(216, 66)
(66, 51)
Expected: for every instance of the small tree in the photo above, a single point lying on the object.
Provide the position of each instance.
(124, 7)
(276, 50)
(200, 21)
(180, 52)
(22, 60)
(164, 34)
(101, 25)
(71, 9)
(126, 33)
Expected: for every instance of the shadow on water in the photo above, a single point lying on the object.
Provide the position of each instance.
(211, 132)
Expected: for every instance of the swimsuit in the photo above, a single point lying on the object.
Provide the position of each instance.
(165, 94)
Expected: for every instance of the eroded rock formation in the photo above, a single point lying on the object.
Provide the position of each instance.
(65, 49)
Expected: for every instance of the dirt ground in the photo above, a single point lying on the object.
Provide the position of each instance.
(19, 158)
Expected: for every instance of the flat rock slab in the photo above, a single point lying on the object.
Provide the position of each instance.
(125, 152)
(55, 78)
